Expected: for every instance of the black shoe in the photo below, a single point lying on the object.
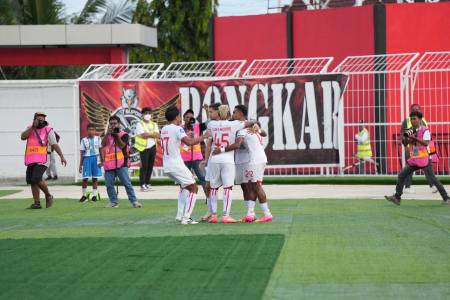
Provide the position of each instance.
(49, 178)
(55, 177)
(35, 206)
(94, 199)
(394, 199)
(83, 199)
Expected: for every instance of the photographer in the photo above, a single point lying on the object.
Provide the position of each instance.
(406, 124)
(39, 137)
(147, 134)
(192, 155)
(418, 138)
(115, 151)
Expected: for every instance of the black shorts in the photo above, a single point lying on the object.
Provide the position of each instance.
(35, 173)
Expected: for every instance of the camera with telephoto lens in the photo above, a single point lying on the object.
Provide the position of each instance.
(409, 132)
(116, 130)
(190, 123)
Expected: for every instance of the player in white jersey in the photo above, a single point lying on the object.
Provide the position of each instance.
(242, 160)
(171, 137)
(253, 171)
(211, 214)
(221, 168)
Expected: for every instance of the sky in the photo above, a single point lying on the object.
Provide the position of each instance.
(226, 7)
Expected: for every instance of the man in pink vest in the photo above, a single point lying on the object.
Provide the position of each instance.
(39, 136)
(115, 151)
(192, 155)
(419, 137)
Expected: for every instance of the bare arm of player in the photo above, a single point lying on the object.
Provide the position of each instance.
(208, 144)
(231, 147)
(81, 161)
(193, 140)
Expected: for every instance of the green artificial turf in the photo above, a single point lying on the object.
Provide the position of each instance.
(333, 249)
(4, 193)
(191, 267)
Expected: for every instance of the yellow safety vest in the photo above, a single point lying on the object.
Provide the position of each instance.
(409, 125)
(140, 143)
(364, 148)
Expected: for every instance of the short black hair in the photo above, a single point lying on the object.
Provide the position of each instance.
(242, 108)
(189, 111)
(215, 106)
(114, 118)
(146, 109)
(90, 125)
(416, 114)
(172, 113)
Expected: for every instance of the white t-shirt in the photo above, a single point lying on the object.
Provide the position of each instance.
(140, 130)
(171, 136)
(255, 146)
(91, 146)
(241, 155)
(427, 135)
(223, 133)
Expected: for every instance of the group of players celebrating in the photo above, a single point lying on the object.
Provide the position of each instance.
(234, 153)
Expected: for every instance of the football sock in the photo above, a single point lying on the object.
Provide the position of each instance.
(189, 204)
(265, 208)
(251, 208)
(227, 199)
(180, 210)
(213, 201)
(84, 190)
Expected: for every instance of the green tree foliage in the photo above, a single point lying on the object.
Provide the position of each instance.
(182, 29)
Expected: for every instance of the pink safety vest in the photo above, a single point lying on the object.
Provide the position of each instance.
(192, 153)
(112, 153)
(35, 152)
(418, 154)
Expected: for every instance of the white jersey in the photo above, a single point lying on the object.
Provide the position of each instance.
(241, 155)
(171, 136)
(255, 148)
(223, 133)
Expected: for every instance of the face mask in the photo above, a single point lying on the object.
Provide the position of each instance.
(42, 124)
(147, 117)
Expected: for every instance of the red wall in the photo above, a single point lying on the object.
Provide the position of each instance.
(250, 37)
(61, 56)
(418, 27)
(338, 32)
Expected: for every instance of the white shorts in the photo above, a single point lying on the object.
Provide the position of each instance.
(221, 175)
(206, 174)
(240, 168)
(254, 172)
(181, 175)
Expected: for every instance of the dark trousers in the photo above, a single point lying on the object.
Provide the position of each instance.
(195, 165)
(147, 161)
(408, 180)
(408, 170)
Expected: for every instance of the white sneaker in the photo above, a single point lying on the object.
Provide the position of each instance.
(179, 218)
(148, 186)
(434, 189)
(137, 204)
(144, 188)
(112, 205)
(409, 191)
(188, 222)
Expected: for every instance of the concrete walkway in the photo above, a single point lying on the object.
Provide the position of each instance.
(273, 192)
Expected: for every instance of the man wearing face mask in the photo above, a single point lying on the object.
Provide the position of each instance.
(39, 136)
(147, 133)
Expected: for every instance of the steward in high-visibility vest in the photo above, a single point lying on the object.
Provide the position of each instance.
(364, 148)
(191, 153)
(418, 139)
(145, 142)
(39, 136)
